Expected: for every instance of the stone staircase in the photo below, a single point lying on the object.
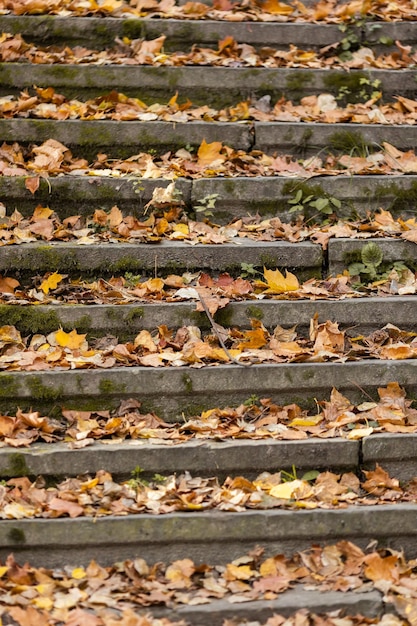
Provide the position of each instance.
(174, 393)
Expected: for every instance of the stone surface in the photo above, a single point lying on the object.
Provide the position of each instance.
(200, 84)
(212, 614)
(342, 252)
(396, 453)
(171, 391)
(167, 256)
(306, 139)
(201, 458)
(206, 537)
(124, 139)
(362, 315)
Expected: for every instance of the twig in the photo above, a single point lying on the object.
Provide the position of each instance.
(218, 335)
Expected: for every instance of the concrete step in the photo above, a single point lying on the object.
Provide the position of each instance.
(200, 84)
(98, 32)
(342, 252)
(397, 453)
(173, 391)
(52, 542)
(73, 195)
(124, 321)
(167, 256)
(122, 139)
(202, 457)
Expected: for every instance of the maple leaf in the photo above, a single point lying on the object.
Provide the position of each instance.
(51, 282)
(209, 153)
(71, 340)
(278, 284)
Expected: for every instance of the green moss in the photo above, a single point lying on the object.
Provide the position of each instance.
(135, 313)
(29, 319)
(297, 80)
(224, 316)
(396, 198)
(292, 186)
(352, 85)
(187, 383)
(16, 536)
(108, 388)
(124, 264)
(254, 312)
(133, 28)
(17, 466)
(42, 392)
(9, 387)
(82, 325)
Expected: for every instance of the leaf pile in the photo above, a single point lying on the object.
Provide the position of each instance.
(229, 10)
(187, 346)
(257, 420)
(47, 104)
(100, 495)
(212, 159)
(14, 49)
(75, 595)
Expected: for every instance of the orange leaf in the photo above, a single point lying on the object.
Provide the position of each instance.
(8, 285)
(32, 183)
(210, 152)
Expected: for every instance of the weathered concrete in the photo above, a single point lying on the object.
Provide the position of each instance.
(367, 603)
(201, 457)
(342, 252)
(306, 139)
(168, 256)
(100, 31)
(397, 454)
(269, 196)
(200, 84)
(81, 195)
(171, 391)
(205, 537)
(362, 315)
(123, 139)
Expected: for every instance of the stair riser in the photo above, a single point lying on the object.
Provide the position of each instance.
(96, 32)
(200, 84)
(268, 196)
(170, 391)
(214, 538)
(124, 139)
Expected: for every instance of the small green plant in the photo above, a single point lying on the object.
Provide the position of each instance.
(325, 204)
(371, 259)
(206, 204)
(252, 400)
(366, 90)
(248, 270)
(292, 475)
(131, 280)
(136, 482)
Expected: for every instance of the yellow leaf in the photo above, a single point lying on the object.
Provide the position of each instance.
(287, 490)
(78, 573)
(307, 421)
(182, 228)
(210, 152)
(71, 340)
(278, 284)
(360, 433)
(3, 570)
(43, 603)
(51, 282)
